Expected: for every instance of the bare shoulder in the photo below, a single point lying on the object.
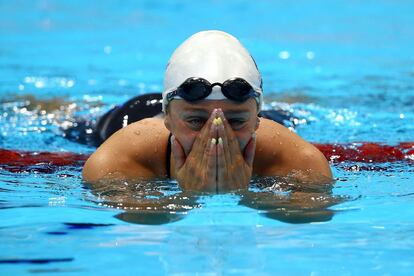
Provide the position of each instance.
(134, 151)
(280, 151)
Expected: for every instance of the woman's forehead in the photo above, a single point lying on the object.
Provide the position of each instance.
(207, 106)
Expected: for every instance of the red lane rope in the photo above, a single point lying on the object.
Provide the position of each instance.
(27, 158)
(49, 162)
(367, 152)
(42, 162)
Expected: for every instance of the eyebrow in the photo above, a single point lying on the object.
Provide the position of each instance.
(195, 110)
(236, 112)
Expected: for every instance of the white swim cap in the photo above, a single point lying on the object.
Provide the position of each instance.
(215, 56)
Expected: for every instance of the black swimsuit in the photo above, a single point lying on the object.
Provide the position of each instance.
(94, 132)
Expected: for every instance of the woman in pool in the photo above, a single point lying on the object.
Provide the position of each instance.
(211, 138)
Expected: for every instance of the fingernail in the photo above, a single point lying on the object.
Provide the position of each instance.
(254, 135)
(220, 141)
(219, 121)
(172, 138)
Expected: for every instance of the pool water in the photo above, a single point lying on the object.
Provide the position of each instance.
(345, 69)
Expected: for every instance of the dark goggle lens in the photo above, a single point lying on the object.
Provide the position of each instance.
(194, 89)
(237, 90)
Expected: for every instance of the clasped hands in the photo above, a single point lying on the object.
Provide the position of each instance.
(215, 162)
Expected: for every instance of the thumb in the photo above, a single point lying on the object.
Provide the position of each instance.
(177, 152)
(250, 150)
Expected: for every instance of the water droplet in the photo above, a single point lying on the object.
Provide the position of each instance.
(125, 121)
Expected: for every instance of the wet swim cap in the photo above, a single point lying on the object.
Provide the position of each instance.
(215, 56)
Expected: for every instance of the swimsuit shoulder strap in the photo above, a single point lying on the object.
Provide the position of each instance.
(168, 157)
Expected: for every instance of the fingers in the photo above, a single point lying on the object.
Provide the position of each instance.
(223, 153)
(222, 169)
(230, 142)
(222, 147)
(177, 152)
(207, 132)
(211, 163)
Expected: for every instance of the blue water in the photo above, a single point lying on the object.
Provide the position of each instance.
(344, 68)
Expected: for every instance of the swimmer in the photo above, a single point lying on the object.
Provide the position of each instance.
(211, 137)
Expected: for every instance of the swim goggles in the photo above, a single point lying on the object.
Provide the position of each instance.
(195, 89)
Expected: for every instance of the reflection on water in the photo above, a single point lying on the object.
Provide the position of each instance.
(160, 201)
(288, 200)
(144, 202)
